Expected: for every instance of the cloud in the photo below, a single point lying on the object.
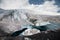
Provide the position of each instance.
(47, 7)
(13, 4)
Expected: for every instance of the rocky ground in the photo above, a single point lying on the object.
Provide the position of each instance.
(51, 35)
(9, 25)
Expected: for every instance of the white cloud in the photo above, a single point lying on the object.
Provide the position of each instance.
(46, 9)
(13, 4)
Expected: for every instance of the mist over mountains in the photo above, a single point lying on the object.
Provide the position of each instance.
(15, 13)
(10, 19)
